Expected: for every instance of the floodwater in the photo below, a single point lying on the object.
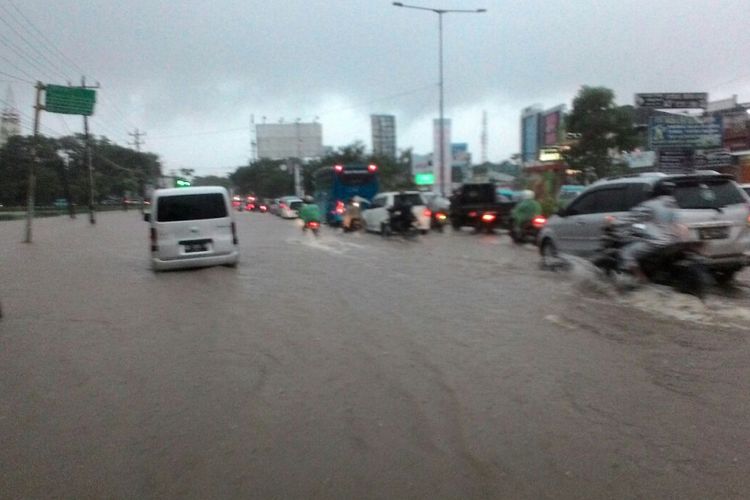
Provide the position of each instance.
(351, 365)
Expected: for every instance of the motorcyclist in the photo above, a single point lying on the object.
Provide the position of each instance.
(401, 216)
(525, 210)
(352, 212)
(309, 212)
(656, 220)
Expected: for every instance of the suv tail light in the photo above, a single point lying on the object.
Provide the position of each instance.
(234, 234)
(154, 245)
(488, 217)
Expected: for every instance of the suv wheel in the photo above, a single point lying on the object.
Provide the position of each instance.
(550, 257)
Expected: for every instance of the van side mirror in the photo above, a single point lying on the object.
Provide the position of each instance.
(147, 217)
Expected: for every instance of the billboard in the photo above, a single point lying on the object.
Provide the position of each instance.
(529, 137)
(675, 131)
(552, 126)
(640, 159)
(278, 141)
(672, 100)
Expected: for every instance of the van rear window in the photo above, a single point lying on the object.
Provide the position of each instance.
(190, 207)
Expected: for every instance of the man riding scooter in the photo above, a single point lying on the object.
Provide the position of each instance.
(353, 214)
(523, 215)
(401, 214)
(657, 221)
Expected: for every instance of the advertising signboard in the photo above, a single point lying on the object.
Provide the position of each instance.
(672, 100)
(685, 132)
(712, 158)
(552, 125)
(549, 154)
(529, 137)
(640, 159)
(676, 160)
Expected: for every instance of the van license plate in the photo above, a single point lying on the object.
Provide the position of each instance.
(714, 233)
(195, 247)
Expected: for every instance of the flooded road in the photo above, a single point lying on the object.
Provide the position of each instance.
(360, 367)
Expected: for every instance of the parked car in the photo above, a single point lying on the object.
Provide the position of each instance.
(289, 206)
(376, 215)
(712, 206)
(192, 227)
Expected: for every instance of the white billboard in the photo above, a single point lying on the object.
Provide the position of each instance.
(278, 141)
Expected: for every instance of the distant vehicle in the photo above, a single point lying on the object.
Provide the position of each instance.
(482, 206)
(289, 206)
(192, 227)
(237, 202)
(713, 207)
(376, 216)
(336, 185)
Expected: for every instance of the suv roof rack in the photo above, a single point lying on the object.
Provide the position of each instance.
(639, 174)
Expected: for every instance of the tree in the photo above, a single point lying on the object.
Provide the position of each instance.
(212, 180)
(603, 127)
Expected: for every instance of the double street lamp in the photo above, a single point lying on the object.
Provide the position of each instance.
(440, 13)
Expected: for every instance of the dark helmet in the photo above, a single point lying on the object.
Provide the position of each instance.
(665, 188)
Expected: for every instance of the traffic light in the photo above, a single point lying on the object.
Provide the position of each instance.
(181, 183)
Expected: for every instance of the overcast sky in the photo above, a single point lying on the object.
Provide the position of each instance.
(190, 73)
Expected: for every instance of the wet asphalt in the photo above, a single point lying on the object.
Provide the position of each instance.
(353, 366)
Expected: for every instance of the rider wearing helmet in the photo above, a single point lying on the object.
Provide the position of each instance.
(310, 211)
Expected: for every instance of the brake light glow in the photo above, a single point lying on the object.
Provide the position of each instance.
(338, 168)
(154, 246)
(488, 217)
(427, 212)
(339, 207)
(472, 214)
(372, 168)
(234, 234)
(538, 222)
(314, 225)
(282, 205)
(441, 216)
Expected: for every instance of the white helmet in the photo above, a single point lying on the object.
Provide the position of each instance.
(527, 194)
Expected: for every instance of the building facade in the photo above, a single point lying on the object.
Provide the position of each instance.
(383, 135)
(10, 120)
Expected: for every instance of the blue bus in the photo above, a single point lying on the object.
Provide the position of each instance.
(336, 185)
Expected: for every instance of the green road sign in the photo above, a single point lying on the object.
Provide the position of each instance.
(424, 179)
(69, 100)
(181, 183)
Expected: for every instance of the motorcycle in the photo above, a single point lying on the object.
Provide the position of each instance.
(438, 220)
(313, 226)
(678, 264)
(529, 231)
(401, 221)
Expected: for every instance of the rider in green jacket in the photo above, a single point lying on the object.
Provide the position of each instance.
(309, 211)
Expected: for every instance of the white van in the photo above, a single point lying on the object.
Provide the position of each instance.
(192, 227)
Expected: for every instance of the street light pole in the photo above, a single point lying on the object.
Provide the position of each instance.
(441, 123)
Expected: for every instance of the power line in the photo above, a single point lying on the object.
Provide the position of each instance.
(22, 53)
(31, 45)
(18, 68)
(16, 77)
(44, 37)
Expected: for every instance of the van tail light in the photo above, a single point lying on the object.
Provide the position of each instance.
(488, 217)
(427, 212)
(234, 234)
(538, 222)
(154, 246)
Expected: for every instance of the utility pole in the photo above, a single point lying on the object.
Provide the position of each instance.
(30, 200)
(92, 217)
(141, 181)
(484, 137)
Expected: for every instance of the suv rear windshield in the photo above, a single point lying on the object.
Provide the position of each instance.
(707, 193)
(410, 198)
(477, 193)
(190, 207)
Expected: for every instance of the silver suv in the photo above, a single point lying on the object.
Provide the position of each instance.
(713, 207)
